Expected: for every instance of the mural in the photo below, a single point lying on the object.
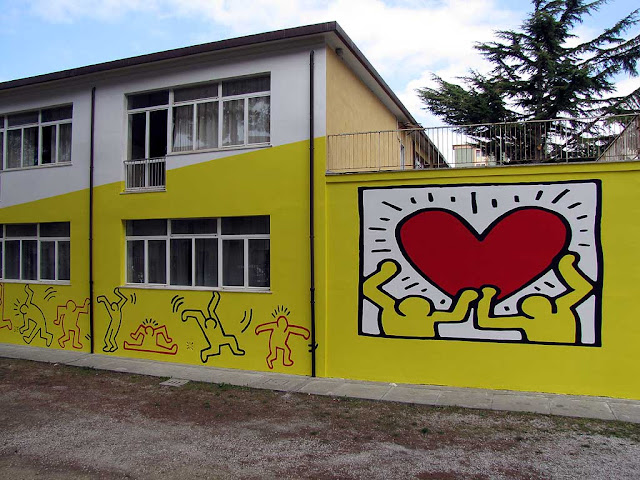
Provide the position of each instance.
(68, 316)
(33, 320)
(114, 310)
(151, 337)
(211, 328)
(504, 263)
(280, 331)
(4, 322)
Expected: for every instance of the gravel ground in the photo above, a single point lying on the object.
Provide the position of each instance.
(63, 422)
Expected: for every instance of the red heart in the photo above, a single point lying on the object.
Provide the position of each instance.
(515, 249)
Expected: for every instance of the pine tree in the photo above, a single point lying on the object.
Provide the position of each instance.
(538, 74)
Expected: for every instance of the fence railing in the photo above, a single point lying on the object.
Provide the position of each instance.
(145, 174)
(613, 138)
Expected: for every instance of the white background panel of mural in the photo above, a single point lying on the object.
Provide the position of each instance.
(504, 263)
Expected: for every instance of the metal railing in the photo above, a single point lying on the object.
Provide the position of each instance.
(613, 138)
(145, 174)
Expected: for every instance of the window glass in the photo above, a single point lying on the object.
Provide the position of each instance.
(245, 225)
(64, 152)
(183, 128)
(158, 133)
(144, 100)
(246, 85)
(23, 119)
(135, 261)
(48, 144)
(142, 228)
(30, 147)
(259, 265)
(14, 148)
(137, 135)
(55, 229)
(194, 226)
(12, 259)
(207, 262)
(1, 150)
(233, 263)
(58, 113)
(22, 230)
(233, 122)
(29, 256)
(207, 135)
(64, 260)
(48, 260)
(194, 93)
(259, 119)
(180, 258)
(157, 261)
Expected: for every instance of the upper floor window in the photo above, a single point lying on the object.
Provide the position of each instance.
(38, 137)
(227, 113)
(35, 251)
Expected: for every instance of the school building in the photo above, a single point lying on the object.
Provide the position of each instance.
(268, 203)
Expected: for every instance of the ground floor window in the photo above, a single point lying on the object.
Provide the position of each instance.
(35, 251)
(200, 252)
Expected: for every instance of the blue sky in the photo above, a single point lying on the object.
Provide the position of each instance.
(406, 40)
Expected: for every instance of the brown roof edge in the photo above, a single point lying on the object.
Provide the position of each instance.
(249, 40)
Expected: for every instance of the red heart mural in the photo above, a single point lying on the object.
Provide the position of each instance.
(515, 249)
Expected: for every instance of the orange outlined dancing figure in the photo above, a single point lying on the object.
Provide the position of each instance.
(412, 316)
(31, 314)
(4, 322)
(68, 316)
(153, 338)
(212, 330)
(543, 319)
(280, 331)
(114, 310)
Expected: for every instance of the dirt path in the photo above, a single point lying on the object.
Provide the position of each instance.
(72, 423)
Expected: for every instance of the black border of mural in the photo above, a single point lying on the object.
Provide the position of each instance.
(597, 284)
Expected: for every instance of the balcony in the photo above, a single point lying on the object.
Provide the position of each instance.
(145, 175)
(603, 139)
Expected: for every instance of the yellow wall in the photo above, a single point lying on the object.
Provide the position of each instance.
(609, 369)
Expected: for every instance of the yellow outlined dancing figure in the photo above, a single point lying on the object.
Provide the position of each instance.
(280, 331)
(412, 316)
(31, 314)
(68, 316)
(114, 310)
(212, 330)
(543, 319)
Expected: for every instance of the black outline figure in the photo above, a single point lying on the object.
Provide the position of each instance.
(114, 310)
(543, 319)
(31, 313)
(412, 316)
(281, 330)
(212, 330)
(4, 322)
(64, 317)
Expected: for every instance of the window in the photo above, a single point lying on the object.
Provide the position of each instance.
(35, 251)
(227, 113)
(201, 252)
(39, 137)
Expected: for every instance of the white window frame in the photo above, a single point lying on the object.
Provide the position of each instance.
(193, 237)
(5, 128)
(39, 240)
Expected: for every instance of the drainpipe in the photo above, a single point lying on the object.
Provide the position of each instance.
(93, 119)
(311, 221)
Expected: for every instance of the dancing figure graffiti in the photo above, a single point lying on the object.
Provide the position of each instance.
(4, 322)
(33, 316)
(280, 331)
(114, 310)
(151, 337)
(68, 316)
(212, 330)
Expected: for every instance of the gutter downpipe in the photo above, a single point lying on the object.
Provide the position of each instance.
(312, 279)
(91, 148)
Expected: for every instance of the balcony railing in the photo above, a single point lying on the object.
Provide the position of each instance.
(148, 174)
(613, 138)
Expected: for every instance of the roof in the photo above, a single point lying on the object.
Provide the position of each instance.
(325, 29)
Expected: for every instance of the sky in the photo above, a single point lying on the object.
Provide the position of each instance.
(407, 41)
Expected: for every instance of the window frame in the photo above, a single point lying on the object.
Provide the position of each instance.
(219, 99)
(39, 238)
(219, 236)
(39, 124)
